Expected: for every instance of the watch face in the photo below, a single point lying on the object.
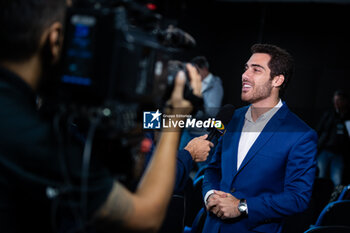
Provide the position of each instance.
(242, 207)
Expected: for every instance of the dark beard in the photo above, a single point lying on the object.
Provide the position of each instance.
(263, 92)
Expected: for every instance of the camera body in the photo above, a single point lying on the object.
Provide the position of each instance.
(105, 59)
(109, 56)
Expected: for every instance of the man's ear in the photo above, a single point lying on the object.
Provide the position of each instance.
(54, 38)
(278, 80)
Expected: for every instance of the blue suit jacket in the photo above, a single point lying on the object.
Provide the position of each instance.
(275, 177)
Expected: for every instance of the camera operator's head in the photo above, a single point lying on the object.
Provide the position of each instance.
(31, 36)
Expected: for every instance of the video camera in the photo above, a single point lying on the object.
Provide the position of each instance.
(114, 57)
(114, 65)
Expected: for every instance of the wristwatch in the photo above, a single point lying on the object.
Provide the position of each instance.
(243, 207)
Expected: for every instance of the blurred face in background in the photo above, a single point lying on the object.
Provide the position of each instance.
(203, 72)
(340, 103)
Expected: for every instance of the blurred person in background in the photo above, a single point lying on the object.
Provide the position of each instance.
(334, 141)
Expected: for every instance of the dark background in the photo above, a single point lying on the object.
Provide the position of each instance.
(314, 32)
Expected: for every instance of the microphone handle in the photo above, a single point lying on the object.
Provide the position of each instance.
(213, 133)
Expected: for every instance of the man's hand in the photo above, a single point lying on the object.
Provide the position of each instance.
(223, 205)
(211, 203)
(199, 148)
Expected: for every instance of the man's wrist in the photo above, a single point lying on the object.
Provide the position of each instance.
(210, 192)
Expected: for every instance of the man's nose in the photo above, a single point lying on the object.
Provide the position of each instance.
(245, 76)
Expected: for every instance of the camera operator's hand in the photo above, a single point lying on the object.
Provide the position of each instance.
(195, 80)
(177, 103)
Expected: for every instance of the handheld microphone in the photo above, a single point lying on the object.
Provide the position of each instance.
(224, 115)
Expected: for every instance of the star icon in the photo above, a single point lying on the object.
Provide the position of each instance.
(155, 115)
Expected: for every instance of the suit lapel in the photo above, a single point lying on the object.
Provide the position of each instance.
(230, 144)
(270, 128)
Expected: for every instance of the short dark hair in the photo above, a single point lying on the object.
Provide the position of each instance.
(22, 24)
(201, 62)
(281, 62)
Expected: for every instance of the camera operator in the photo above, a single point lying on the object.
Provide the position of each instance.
(38, 192)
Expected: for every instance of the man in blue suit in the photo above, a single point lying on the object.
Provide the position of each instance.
(264, 166)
